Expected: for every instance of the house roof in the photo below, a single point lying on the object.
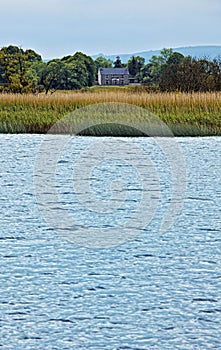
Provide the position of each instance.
(114, 71)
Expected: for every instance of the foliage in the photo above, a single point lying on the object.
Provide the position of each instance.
(68, 73)
(14, 66)
(102, 62)
(135, 66)
(153, 70)
(171, 71)
(24, 72)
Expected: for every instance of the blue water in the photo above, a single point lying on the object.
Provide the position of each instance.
(152, 290)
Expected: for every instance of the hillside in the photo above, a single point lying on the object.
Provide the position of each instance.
(195, 51)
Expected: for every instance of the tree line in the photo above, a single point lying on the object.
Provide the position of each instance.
(24, 71)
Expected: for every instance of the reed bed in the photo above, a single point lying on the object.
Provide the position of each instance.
(187, 114)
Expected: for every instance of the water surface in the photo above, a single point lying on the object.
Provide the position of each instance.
(155, 291)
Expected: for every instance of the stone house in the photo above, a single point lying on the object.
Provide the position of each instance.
(113, 76)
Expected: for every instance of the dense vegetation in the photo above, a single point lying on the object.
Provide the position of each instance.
(190, 114)
(25, 72)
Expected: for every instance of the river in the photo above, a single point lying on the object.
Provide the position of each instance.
(131, 267)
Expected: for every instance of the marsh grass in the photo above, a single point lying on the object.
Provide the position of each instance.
(193, 114)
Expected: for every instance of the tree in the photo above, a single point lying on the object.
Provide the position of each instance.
(32, 56)
(12, 50)
(169, 79)
(88, 62)
(69, 73)
(217, 72)
(51, 75)
(132, 66)
(118, 63)
(83, 68)
(102, 62)
(14, 66)
(152, 71)
(174, 58)
(35, 74)
(166, 54)
(135, 66)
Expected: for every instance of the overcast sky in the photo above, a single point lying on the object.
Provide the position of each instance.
(55, 28)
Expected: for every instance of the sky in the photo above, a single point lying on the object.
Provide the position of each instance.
(55, 28)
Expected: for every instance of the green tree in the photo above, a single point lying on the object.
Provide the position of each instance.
(169, 77)
(135, 66)
(34, 74)
(132, 66)
(188, 75)
(118, 63)
(152, 71)
(12, 50)
(217, 72)
(174, 58)
(83, 68)
(89, 64)
(102, 62)
(32, 56)
(14, 66)
(51, 75)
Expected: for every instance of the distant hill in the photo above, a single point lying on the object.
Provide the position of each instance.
(210, 52)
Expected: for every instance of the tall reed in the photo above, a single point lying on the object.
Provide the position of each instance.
(186, 114)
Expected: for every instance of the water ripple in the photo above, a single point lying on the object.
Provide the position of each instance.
(156, 291)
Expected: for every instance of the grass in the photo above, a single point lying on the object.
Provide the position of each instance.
(192, 114)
